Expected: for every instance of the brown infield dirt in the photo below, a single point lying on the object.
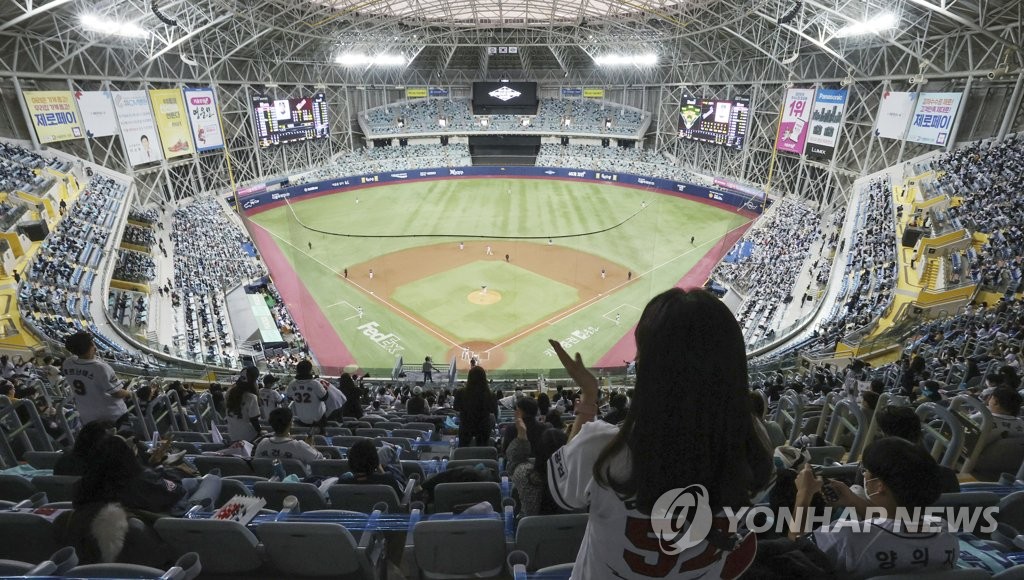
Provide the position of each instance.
(562, 264)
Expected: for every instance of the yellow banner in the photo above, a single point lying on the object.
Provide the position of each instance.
(593, 93)
(171, 122)
(54, 115)
(416, 93)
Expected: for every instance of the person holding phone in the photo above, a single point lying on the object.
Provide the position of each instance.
(899, 476)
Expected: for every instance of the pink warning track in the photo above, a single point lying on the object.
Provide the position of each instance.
(319, 334)
(625, 349)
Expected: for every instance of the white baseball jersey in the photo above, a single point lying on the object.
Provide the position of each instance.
(308, 398)
(240, 425)
(619, 541)
(287, 448)
(335, 399)
(270, 399)
(1006, 426)
(1002, 426)
(92, 382)
(879, 550)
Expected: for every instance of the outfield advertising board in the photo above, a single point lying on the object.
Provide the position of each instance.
(264, 200)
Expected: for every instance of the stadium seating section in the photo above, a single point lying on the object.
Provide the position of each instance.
(554, 116)
(940, 368)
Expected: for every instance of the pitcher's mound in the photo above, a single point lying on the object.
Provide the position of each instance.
(479, 297)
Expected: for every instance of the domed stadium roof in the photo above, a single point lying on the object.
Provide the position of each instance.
(705, 41)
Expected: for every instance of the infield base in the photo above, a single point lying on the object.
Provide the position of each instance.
(487, 354)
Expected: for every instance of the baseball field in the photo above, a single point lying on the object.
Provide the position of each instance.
(490, 268)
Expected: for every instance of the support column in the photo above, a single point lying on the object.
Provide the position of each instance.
(959, 115)
(1011, 111)
(25, 113)
(88, 144)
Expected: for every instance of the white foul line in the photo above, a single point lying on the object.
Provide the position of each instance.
(378, 298)
(553, 320)
(593, 299)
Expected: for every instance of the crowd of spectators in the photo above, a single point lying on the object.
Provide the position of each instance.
(16, 169)
(390, 159)
(14, 177)
(208, 249)
(281, 358)
(147, 215)
(210, 256)
(55, 295)
(869, 279)
(139, 236)
(984, 178)
(971, 352)
(134, 267)
(31, 159)
(589, 116)
(129, 309)
(643, 162)
(766, 277)
(556, 116)
(895, 472)
(821, 269)
(10, 213)
(420, 116)
(207, 332)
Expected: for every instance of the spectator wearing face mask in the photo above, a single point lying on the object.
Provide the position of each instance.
(898, 475)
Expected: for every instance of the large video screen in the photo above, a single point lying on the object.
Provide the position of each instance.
(290, 120)
(721, 122)
(491, 97)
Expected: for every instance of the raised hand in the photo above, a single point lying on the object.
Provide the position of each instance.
(585, 379)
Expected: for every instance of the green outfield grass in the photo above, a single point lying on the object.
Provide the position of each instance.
(526, 298)
(654, 245)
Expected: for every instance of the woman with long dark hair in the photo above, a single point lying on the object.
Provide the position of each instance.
(243, 407)
(689, 424)
(73, 462)
(115, 474)
(353, 407)
(476, 407)
(529, 477)
(526, 411)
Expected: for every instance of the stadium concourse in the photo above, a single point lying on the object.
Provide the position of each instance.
(523, 290)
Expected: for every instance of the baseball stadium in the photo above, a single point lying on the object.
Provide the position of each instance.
(518, 289)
